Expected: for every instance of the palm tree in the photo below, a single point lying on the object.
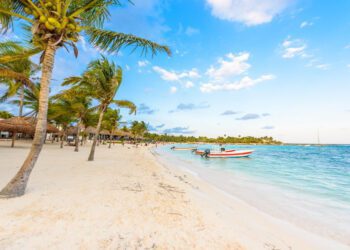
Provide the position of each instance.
(53, 25)
(5, 114)
(30, 100)
(15, 75)
(76, 102)
(102, 79)
(138, 128)
(111, 122)
(61, 118)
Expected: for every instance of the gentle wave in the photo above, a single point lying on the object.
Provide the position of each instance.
(307, 186)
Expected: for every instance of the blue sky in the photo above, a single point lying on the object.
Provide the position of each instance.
(279, 68)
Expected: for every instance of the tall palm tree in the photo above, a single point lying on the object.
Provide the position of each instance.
(102, 79)
(111, 122)
(16, 74)
(53, 25)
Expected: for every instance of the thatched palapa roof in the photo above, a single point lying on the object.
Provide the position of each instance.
(23, 125)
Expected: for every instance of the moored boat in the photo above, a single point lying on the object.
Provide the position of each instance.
(202, 151)
(182, 149)
(227, 154)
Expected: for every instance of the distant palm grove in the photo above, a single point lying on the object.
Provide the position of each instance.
(204, 139)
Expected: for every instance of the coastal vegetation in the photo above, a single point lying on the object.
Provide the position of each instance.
(52, 25)
(204, 139)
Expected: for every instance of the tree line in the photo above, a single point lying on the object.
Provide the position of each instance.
(204, 139)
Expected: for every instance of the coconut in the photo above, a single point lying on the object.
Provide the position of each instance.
(28, 11)
(49, 26)
(43, 19)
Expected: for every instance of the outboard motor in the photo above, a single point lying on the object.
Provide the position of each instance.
(206, 153)
(222, 149)
(172, 148)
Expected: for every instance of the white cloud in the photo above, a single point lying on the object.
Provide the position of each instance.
(297, 48)
(249, 12)
(305, 24)
(323, 66)
(170, 75)
(245, 82)
(293, 48)
(143, 63)
(191, 31)
(315, 63)
(232, 66)
(173, 89)
(189, 84)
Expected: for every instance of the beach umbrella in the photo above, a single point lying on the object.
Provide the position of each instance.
(90, 130)
(52, 129)
(72, 130)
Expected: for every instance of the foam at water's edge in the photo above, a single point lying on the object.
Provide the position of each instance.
(299, 209)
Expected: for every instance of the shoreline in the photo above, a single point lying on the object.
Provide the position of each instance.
(218, 190)
(127, 199)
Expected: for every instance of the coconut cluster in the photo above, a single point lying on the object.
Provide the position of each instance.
(50, 24)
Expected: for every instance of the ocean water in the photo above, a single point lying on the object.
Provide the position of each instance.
(308, 186)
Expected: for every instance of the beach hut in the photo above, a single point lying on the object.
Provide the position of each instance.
(89, 132)
(16, 125)
(24, 125)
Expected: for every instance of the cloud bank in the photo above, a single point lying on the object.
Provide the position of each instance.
(248, 12)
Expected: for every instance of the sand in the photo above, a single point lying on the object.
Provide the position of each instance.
(126, 199)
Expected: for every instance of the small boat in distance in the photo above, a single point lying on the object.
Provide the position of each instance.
(202, 151)
(227, 154)
(182, 149)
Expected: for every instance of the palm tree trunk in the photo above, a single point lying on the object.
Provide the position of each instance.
(110, 138)
(77, 137)
(62, 139)
(14, 134)
(92, 151)
(21, 99)
(17, 186)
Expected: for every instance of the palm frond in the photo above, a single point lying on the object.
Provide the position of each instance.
(111, 41)
(10, 74)
(72, 80)
(20, 56)
(126, 104)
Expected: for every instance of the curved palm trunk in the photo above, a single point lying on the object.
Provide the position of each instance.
(92, 151)
(17, 186)
(77, 137)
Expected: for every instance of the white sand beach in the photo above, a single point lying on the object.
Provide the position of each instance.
(126, 199)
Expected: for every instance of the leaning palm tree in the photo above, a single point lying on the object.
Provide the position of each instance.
(15, 75)
(102, 79)
(54, 25)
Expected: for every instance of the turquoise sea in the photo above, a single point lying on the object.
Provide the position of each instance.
(309, 186)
